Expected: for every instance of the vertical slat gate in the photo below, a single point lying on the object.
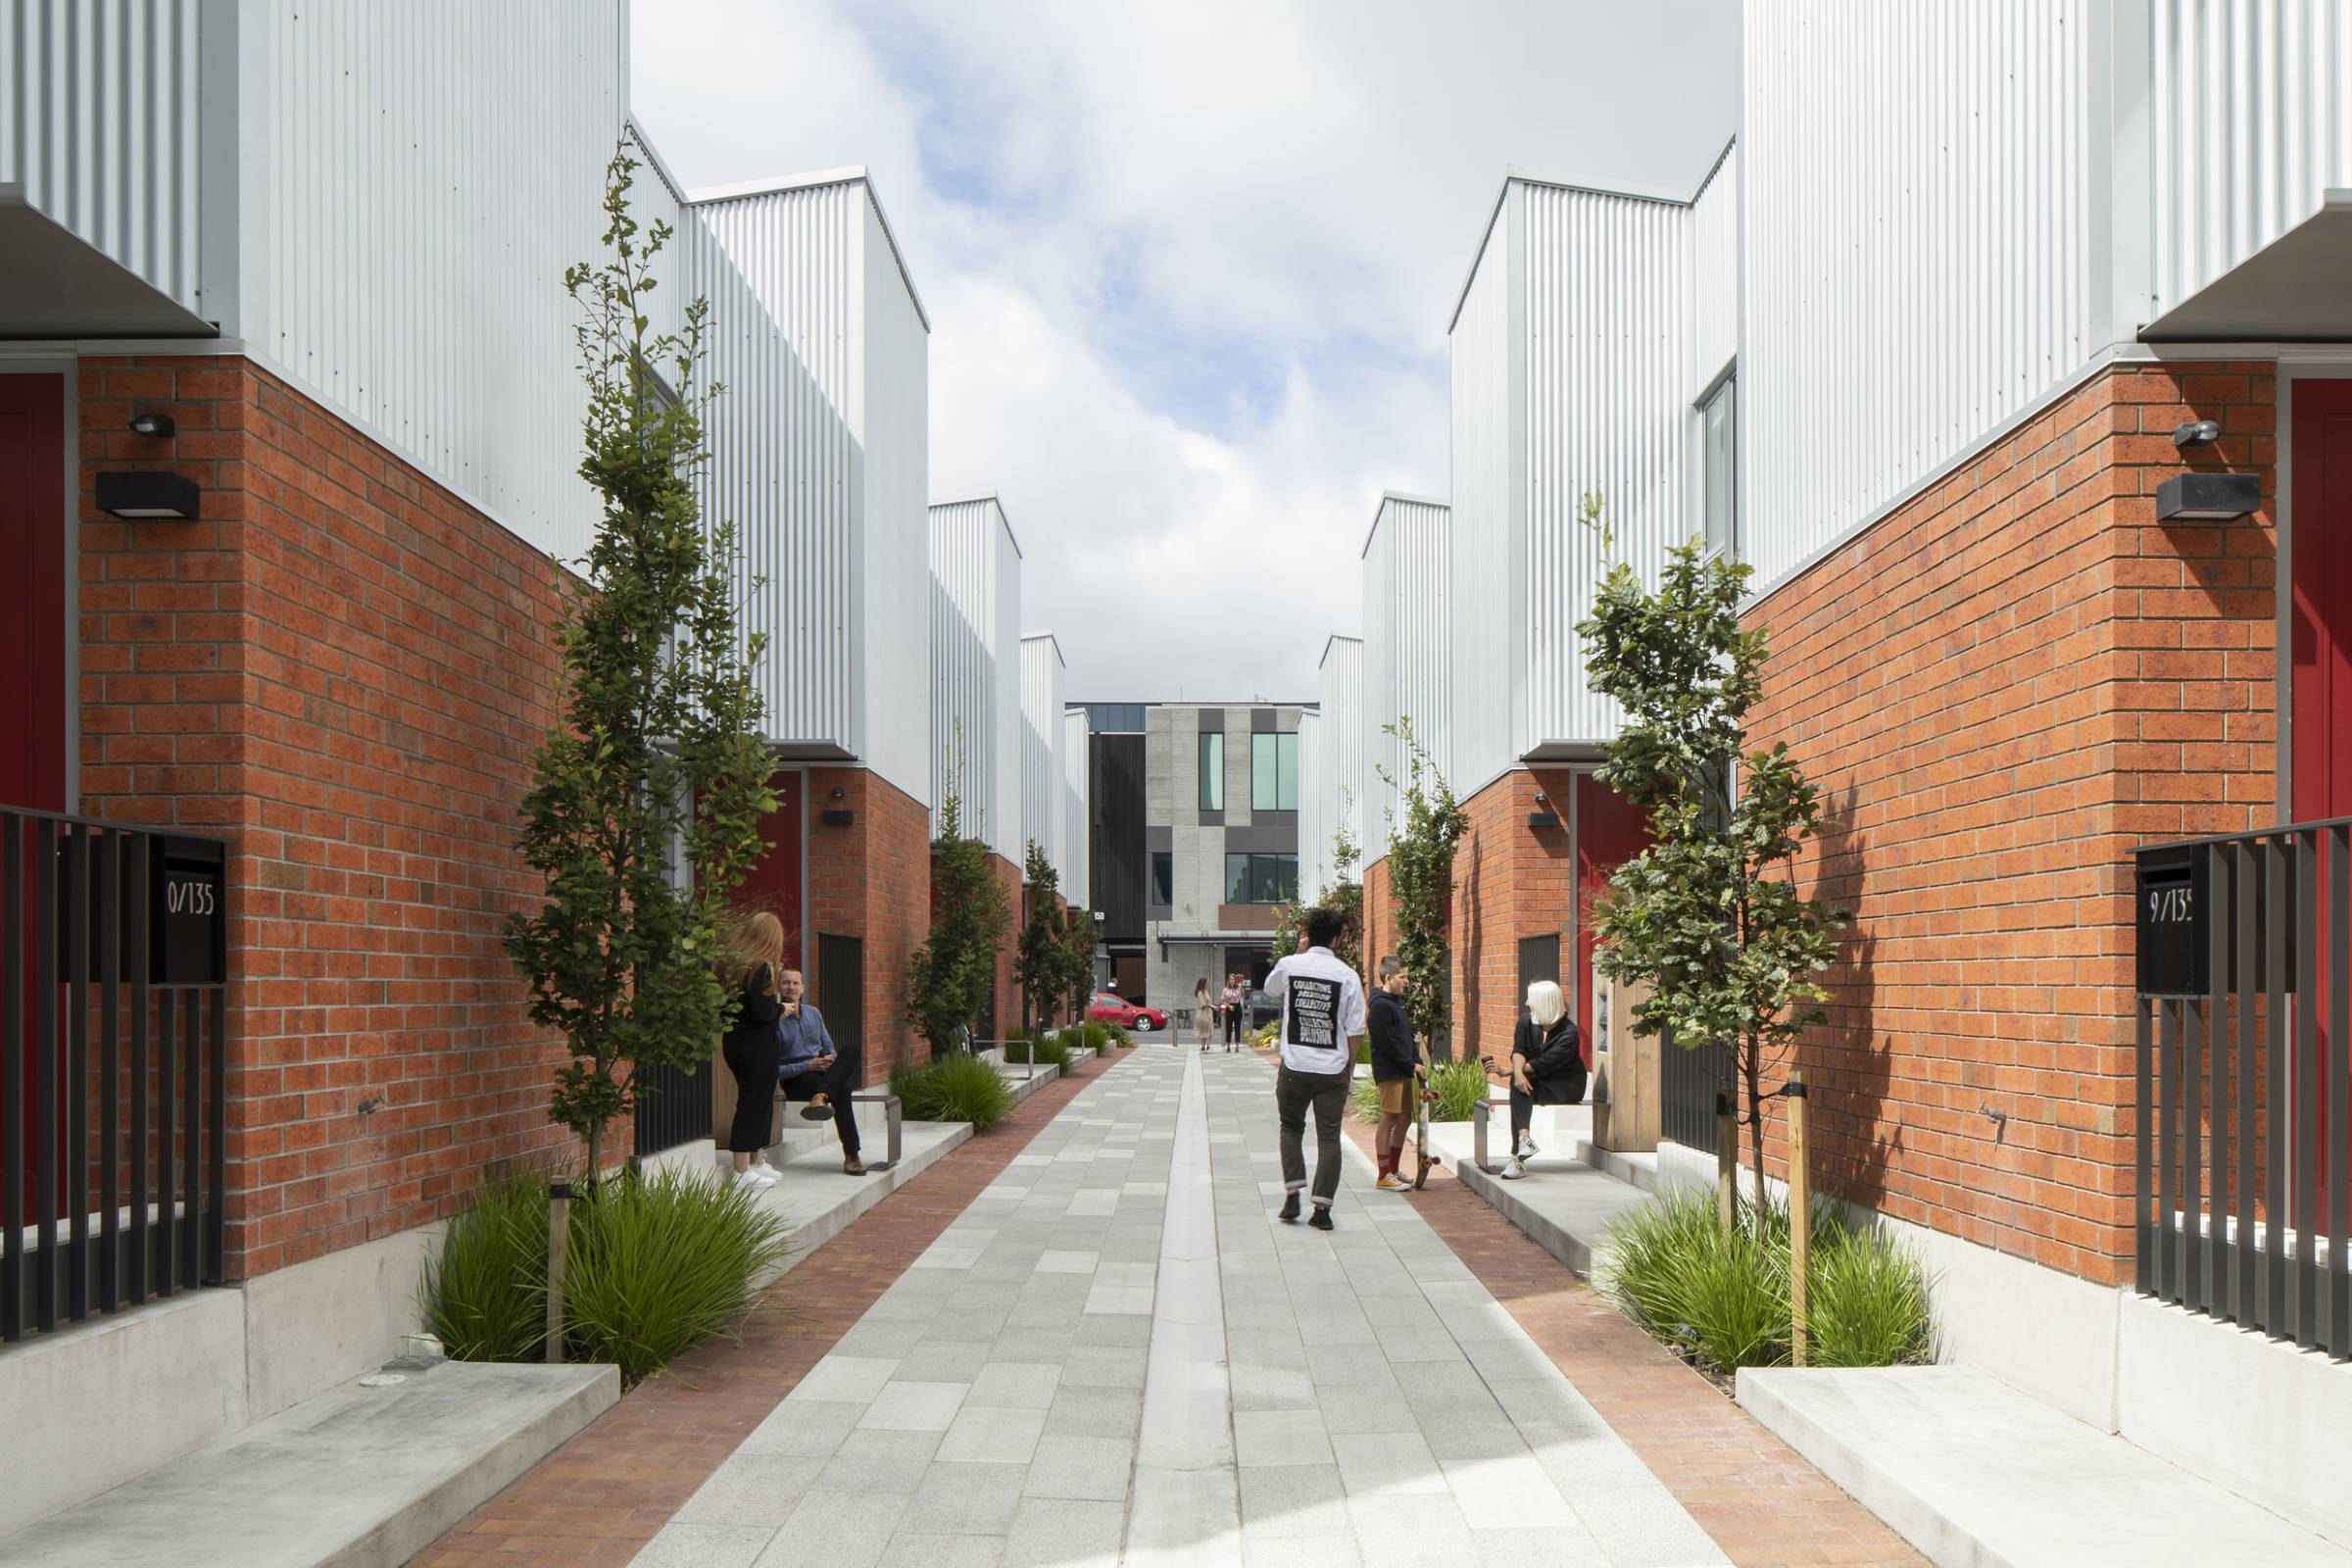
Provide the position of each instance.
(2339, 1083)
(15, 976)
(2303, 1186)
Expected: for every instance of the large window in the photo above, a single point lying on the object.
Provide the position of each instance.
(1212, 770)
(1722, 458)
(1164, 878)
(1261, 878)
(1273, 772)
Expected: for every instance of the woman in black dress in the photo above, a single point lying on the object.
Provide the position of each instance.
(755, 956)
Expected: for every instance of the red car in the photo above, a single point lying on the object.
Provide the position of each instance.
(1109, 1007)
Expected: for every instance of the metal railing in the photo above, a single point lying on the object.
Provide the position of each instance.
(2243, 1196)
(1690, 1082)
(112, 1067)
(673, 1107)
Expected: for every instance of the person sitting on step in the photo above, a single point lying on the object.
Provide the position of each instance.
(814, 1069)
(1548, 1068)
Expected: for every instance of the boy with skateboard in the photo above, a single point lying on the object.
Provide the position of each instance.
(1397, 1068)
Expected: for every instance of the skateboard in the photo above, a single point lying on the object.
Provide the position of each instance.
(1424, 1160)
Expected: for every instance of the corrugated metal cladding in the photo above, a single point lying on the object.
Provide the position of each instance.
(1609, 302)
(2249, 122)
(416, 179)
(1314, 848)
(975, 677)
(1043, 776)
(842, 539)
(1714, 275)
(1489, 492)
(1077, 839)
(1918, 264)
(1408, 651)
(98, 123)
(1339, 781)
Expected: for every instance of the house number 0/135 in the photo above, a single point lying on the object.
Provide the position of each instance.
(195, 895)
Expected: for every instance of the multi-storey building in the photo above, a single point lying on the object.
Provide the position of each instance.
(1118, 853)
(1221, 842)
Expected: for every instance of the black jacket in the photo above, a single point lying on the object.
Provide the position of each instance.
(1555, 1060)
(1392, 1054)
(757, 1007)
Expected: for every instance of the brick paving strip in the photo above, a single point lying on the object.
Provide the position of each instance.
(597, 1500)
(1765, 1506)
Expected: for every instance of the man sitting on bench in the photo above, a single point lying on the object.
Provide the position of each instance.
(815, 1070)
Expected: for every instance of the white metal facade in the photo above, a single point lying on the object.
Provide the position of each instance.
(1077, 835)
(1044, 779)
(1408, 651)
(1314, 849)
(844, 555)
(1591, 323)
(1338, 784)
(1953, 211)
(976, 671)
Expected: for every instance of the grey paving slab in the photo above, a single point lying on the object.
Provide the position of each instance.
(1117, 1355)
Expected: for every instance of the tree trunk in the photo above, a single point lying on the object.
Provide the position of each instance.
(1755, 1117)
(596, 1152)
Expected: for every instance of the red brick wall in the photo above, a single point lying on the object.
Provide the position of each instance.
(1510, 881)
(1009, 995)
(2001, 689)
(872, 880)
(345, 669)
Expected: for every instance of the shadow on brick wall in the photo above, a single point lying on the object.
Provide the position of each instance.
(1848, 1067)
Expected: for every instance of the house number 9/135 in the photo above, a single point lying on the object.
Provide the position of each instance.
(2170, 904)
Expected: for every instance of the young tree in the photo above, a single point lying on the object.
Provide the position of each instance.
(1038, 957)
(1346, 894)
(1421, 879)
(951, 974)
(1708, 914)
(1078, 962)
(658, 751)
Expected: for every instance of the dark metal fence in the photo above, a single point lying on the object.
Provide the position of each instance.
(112, 1067)
(1690, 1081)
(2244, 1092)
(673, 1107)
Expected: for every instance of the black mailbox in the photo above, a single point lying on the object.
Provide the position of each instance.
(2174, 908)
(187, 930)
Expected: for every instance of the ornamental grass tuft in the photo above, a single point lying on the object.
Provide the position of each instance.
(1723, 1301)
(1036, 1044)
(955, 1087)
(653, 1266)
(1460, 1086)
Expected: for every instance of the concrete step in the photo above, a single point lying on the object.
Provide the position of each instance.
(1977, 1475)
(1564, 1205)
(354, 1478)
(818, 1201)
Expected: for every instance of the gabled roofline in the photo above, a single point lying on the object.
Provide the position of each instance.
(1406, 496)
(1336, 637)
(853, 174)
(987, 498)
(1047, 637)
(1513, 175)
(652, 157)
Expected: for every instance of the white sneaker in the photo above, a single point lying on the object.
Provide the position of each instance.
(1512, 1170)
(758, 1178)
(1527, 1149)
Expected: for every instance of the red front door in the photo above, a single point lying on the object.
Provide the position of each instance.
(33, 592)
(32, 665)
(2322, 457)
(775, 884)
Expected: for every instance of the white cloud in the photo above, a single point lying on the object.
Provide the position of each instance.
(1189, 267)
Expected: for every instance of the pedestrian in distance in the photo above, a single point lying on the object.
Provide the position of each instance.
(751, 1046)
(815, 1072)
(1395, 1068)
(1204, 1013)
(1321, 1030)
(1235, 995)
(1548, 1068)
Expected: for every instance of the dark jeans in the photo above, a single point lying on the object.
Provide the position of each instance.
(751, 1057)
(837, 1082)
(1327, 1092)
(1233, 1026)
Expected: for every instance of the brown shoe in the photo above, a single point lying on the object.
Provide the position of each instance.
(852, 1166)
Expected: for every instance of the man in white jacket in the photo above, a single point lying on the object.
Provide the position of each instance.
(1322, 1030)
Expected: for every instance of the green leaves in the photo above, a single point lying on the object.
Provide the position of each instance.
(1421, 878)
(1709, 913)
(1038, 958)
(656, 767)
(951, 974)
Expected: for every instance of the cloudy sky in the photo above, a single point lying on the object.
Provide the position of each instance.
(1189, 264)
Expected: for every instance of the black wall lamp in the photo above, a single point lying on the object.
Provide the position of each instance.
(156, 424)
(2207, 497)
(1543, 817)
(148, 496)
(2196, 434)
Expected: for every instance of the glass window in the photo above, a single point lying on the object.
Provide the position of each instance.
(1273, 772)
(1261, 878)
(1722, 460)
(1163, 877)
(1212, 770)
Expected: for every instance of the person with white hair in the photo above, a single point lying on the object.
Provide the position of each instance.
(1548, 1068)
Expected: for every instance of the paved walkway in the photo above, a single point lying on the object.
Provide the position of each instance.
(1116, 1354)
